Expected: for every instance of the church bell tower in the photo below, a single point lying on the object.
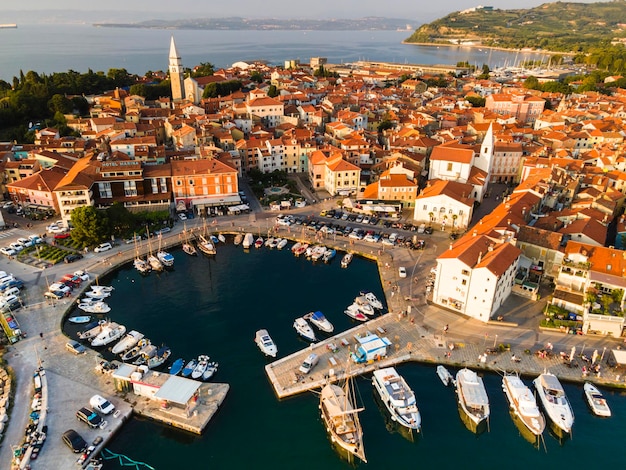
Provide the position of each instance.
(176, 73)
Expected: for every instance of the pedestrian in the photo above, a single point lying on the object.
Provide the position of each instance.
(41, 335)
(445, 328)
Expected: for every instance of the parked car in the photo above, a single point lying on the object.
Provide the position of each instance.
(182, 216)
(8, 251)
(35, 239)
(402, 271)
(75, 347)
(162, 231)
(16, 246)
(73, 257)
(53, 295)
(428, 230)
(7, 204)
(74, 441)
(103, 247)
(133, 239)
(90, 417)
(60, 287)
(101, 404)
(61, 236)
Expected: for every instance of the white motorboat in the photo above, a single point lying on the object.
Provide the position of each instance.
(265, 343)
(93, 329)
(364, 306)
(555, 402)
(329, 254)
(523, 403)
(258, 243)
(203, 363)
(79, 319)
(270, 241)
(166, 258)
(189, 368)
(320, 321)
(127, 342)
(137, 350)
(99, 288)
(318, 252)
(473, 399)
(98, 307)
(162, 354)
(221, 238)
(302, 249)
(210, 371)
(597, 403)
(97, 295)
(346, 260)
(444, 375)
(355, 313)
(372, 299)
(282, 243)
(112, 332)
(146, 353)
(238, 239)
(248, 240)
(304, 329)
(398, 397)
(341, 418)
(274, 242)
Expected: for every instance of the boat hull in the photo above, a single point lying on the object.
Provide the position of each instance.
(595, 401)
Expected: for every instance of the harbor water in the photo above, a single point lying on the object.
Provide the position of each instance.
(214, 306)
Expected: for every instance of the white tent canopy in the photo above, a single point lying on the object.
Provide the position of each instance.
(177, 390)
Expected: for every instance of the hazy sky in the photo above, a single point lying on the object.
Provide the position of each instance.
(410, 9)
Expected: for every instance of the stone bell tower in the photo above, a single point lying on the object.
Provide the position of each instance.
(176, 73)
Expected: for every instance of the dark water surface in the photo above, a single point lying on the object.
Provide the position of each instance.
(214, 306)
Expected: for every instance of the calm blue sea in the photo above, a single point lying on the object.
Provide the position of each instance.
(214, 306)
(58, 48)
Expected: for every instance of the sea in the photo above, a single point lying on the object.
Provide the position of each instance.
(48, 48)
(214, 306)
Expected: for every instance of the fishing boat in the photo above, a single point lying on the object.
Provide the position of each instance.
(372, 300)
(523, 403)
(353, 312)
(166, 258)
(248, 241)
(329, 255)
(597, 403)
(258, 242)
(201, 366)
(346, 260)
(398, 397)
(109, 334)
(189, 368)
(135, 351)
(282, 243)
(238, 239)
(341, 418)
(210, 371)
(320, 321)
(127, 342)
(177, 366)
(162, 354)
(364, 305)
(79, 319)
(145, 355)
(444, 375)
(304, 329)
(301, 249)
(93, 329)
(98, 307)
(555, 403)
(265, 343)
(473, 400)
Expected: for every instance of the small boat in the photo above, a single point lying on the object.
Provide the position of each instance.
(597, 403)
(214, 239)
(296, 247)
(142, 266)
(346, 260)
(206, 246)
(248, 240)
(166, 258)
(523, 403)
(99, 288)
(269, 241)
(318, 253)
(177, 366)
(341, 418)
(98, 307)
(555, 402)
(444, 375)
(329, 255)
(97, 295)
(210, 371)
(320, 321)
(162, 354)
(364, 306)
(221, 238)
(145, 355)
(80, 319)
(473, 399)
(372, 299)
(155, 263)
(398, 397)
(203, 363)
(129, 341)
(304, 329)
(259, 242)
(282, 243)
(189, 367)
(355, 313)
(135, 351)
(189, 249)
(265, 343)
(238, 239)
(274, 242)
(301, 249)
(109, 334)
(93, 329)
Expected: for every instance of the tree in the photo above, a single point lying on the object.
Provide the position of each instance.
(121, 221)
(476, 101)
(531, 83)
(91, 226)
(203, 70)
(272, 92)
(256, 76)
(60, 104)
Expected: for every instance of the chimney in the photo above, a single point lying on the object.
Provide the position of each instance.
(480, 257)
(490, 248)
(451, 246)
(524, 210)
(475, 233)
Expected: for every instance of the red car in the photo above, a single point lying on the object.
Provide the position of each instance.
(60, 236)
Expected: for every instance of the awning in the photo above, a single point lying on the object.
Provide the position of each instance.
(216, 201)
(177, 390)
(620, 357)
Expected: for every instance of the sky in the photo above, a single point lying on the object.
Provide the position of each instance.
(421, 11)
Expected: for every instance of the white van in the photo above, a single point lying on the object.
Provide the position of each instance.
(308, 364)
(14, 291)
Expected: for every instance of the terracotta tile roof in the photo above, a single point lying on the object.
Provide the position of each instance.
(589, 227)
(610, 261)
(458, 191)
(453, 152)
(478, 251)
(538, 237)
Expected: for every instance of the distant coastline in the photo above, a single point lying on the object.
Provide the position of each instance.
(480, 46)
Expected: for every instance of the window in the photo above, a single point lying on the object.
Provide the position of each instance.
(130, 189)
(105, 190)
(449, 167)
(190, 182)
(465, 272)
(464, 282)
(425, 207)
(155, 186)
(163, 185)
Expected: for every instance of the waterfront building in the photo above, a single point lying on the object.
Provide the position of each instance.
(445, 202)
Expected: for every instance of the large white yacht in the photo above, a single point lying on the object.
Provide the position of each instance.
(397, 397)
